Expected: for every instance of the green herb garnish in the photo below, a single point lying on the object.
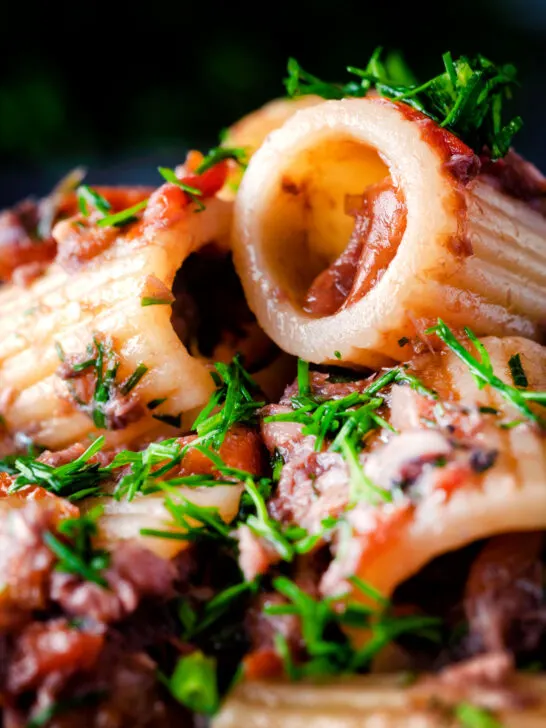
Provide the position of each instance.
(145, 467)
(194, 193)
(219, 154)
(88, 196)
(266, 527)
(194, 683)
(467, 98)
(210, 524)
(472, 716)
(104, 363)
(329, 651)
(75, 551)
(196, 623)
(155, 301)
(131, 382)
(483, 374)
(172, 420)
(304, 383)
(360, 486)
(347, 421)
(518, 374)
(123, 217)
(232, 403)
(74, 481)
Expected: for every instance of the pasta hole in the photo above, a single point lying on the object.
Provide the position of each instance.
(313, 216)
(210, 314)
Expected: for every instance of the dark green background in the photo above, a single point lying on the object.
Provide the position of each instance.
(122, 87)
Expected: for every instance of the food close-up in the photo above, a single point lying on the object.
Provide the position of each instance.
(273, 431)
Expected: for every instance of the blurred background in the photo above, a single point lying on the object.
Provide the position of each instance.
(122, 87)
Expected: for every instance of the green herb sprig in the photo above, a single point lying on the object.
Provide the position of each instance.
(193, 192)
(104, 362)
(232, 403)
(467, 98)
(347, 421)
(141, 477)
(123, 217)
(482, 371)
(74, 481)
(329, 651)
(219, 154)
(196, 522)
(197, 622)
(87, 196)
(473, 716)
(75, 551)
(194, 683)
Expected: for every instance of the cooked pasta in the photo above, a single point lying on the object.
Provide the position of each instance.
(119, 293)
(458, 504)
(427, 236)
(371, 702)
(199, 529)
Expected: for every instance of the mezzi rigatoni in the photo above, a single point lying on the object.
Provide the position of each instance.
(468, 252)
(120, 296)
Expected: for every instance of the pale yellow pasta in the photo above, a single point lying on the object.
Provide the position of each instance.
(103, 298)
(467, 253)
(509, 496)
(124, 519)
(250, 132)
(374, 701)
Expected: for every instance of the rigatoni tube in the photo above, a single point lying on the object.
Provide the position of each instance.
(113, 286)
(374, 701)
(360, 221)
(501, 494)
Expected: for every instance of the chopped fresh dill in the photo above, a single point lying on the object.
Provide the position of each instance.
(131, 382)
(304, 383)
(193, 193)
(74, 549)
(87, 196)
(219, 154)
(194, 683)
(467, 98)
(123, 217)
(473, 716)
(74, 480)
(144, 467)
(347, 421)
(360, 485)
(232, 403)
(155, 301)
(104, 363)
(483, 374)
(518, 373)
(328, 650)
(197, 622)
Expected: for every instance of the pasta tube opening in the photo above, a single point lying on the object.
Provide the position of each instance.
(312, 218)
(425, 236)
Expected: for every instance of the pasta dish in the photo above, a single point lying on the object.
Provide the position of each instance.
(272, 442)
